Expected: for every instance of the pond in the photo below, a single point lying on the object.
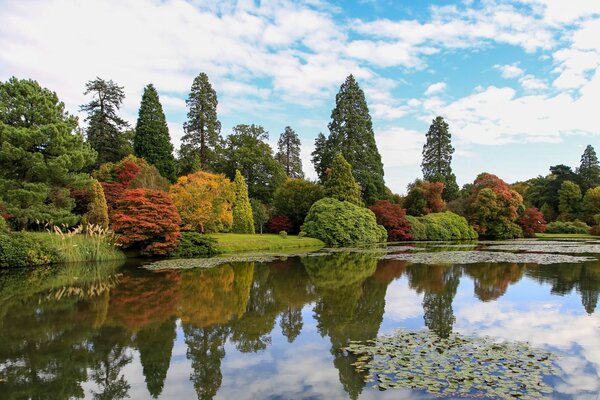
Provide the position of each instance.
(351, 323)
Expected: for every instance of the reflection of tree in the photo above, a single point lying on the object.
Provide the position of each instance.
(110, 355)
(155, 343)
(389, 270)
(491, 280)
(585, 278)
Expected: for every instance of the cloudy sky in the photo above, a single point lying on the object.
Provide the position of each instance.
(518, 81)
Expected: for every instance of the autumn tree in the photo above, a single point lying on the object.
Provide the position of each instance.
(351, 134)
(243, 221)
(288, 153)
(393, 219)
(569, 201)
(204, 201)
(152, 141)
(340, 183)
(279, 223)
(589, 170)
(105, 131)
(424, 197)
(532, 222)
(294, 198)
(42, 154)
(437, 158)
(200, 143)
(147, 220)
(494, 208)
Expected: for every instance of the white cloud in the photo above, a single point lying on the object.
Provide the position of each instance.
(509, 71)
(435, 88)
(531, 83)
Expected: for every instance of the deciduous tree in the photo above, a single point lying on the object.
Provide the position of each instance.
(424, 197)
(393, 219)
(294, 198)
(532, 222)
(569, 201)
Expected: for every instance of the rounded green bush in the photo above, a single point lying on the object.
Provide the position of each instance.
(441, 227)
(568, 227)
(340, 223)
(282, 234)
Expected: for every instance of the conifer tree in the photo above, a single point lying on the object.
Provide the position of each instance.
(106, 130)
(437, 157)
(351, 134)
(200, 142)
(589, 170)
(243, 221)
(152, 141)
(97, 210)
(340, 183)
(288, 153)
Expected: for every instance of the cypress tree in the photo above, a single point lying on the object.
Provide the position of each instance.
(200, 142)
(351, 134)
(106, 130)
(589, 170)
(340, 183)
(288, 153)
(243, 221)
(97, 210)
(152, 141)
(437, 157)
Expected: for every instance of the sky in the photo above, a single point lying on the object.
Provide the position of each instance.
(518, 81)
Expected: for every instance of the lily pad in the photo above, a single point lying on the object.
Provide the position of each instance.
(472, 257)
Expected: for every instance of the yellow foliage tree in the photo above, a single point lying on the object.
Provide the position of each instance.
(204, 201)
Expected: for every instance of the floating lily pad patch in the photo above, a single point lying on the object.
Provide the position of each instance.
(472, 257)
(455, 366)
(557, 247)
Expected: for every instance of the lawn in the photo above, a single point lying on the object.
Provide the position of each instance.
(233, 242)
(565, 236)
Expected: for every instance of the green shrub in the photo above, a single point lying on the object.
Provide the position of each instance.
(340, 223)
(194, 244)
(568, 227)
(441, 227)
(283, 234)
(301, 235)
(3, 226)
(23, 250)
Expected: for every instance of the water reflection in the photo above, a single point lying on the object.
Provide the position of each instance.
(79, 331)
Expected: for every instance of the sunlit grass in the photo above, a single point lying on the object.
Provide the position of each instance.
(232, 242)
(565, 236)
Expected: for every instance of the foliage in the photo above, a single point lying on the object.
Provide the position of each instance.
(532, 222)
(588, 172)
(194, 244)
(200, 143)
(204, 201)
(243, 220)
(236, 242)
(351, 134)
(294, 198)
(4, 228)
(41, 154)
(147, 219)
(569, 201)
(568, 227)
(283, 234)
(437, 158)
(340, 223)
(424, 197)
(247, 150)
(591, 204)
(288, 153)
(280, 223)
(97, 213)
(494, 208)
(152, 141)
(441, 227)
(393, 219)
(260, 214)
(105, 128)
(22, 250)
(340, 183)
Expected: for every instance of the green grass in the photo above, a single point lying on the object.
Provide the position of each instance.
(79, 247)
(565, 236)
(234, 242)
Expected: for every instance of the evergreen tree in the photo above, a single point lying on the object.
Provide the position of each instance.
(243, 221)
(340, 183)
(351, 134)
(200, 143)
(288, 153)
(152, 141)
(97, 210)
(589, 170)
(105, 132)
(437, 157)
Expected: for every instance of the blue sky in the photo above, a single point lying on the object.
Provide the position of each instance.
(518, 81)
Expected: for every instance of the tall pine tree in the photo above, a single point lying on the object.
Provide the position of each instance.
(351, 134)
(152, 141)
(340, 183)
(200, 142)
(243, 221)
(437, 157)
(288, 153)
(589, 170)
(106, 130)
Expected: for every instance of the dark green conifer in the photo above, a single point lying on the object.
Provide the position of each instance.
(340, 183)
(589, 170)
(152, 141)
(288, 153)
(437, 157)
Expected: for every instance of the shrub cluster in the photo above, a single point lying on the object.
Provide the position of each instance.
(194, 244)
(440, 227)
(568, 227)
(22, 250)
(393, 219)
(340, 223)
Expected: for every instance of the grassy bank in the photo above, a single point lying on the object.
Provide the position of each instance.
(233, 242)
(565, 236)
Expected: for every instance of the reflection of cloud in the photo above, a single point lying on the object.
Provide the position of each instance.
(543, 325)
(401, 302)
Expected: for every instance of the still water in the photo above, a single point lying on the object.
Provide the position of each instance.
(275, 330)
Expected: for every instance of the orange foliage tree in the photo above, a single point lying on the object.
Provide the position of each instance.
(424, 197)
(147, 219)
(204, 201)
(532, 222)
(393, 219)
